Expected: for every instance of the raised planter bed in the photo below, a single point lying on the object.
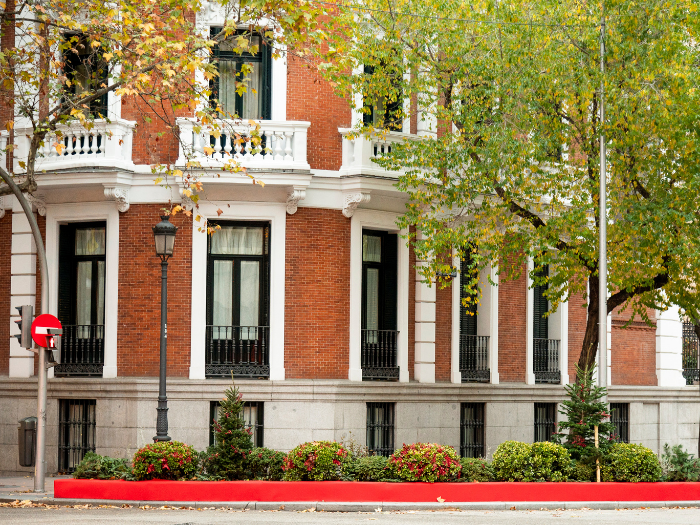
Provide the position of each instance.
(348, 491)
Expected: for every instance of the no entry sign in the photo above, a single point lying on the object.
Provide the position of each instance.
(42, 329)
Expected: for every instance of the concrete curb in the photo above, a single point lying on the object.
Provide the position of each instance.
(326, 506)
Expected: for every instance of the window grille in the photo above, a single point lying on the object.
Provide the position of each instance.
(76, 432)
(253, 416)
(380, 428)
(620, 417)
(545, 421)
(472, 430)
(691, 354)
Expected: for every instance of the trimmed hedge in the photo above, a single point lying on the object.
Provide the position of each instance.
(316, 461)
(426, 462)
(545, 461)
(630, 462)
(265, 464)
(94, 466)
(165, 460)
(370, 468)
(476, 469)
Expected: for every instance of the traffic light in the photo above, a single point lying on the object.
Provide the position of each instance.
(26, 313)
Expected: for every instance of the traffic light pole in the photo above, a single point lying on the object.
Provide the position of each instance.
(40, 465)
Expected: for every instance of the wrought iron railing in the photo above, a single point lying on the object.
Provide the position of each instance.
(82, 351)
(471, 430)
(545, 361)
(243, 351)
(545, 421)
(691, 354)
(474, 358)
(620, 418)
(380, 428)
(379, 355)
(76, 431)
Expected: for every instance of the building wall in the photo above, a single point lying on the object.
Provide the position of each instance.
(443, 333)
(316, 294)
(512, 343)
(5, 258)
(412, 283)
(138, 346)
(577, 330)
(633, 354)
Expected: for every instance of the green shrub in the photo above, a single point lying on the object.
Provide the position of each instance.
(265, 464)
(630, 462)
(516, 461)
(679, 465)
(316, 461)
(165, 460)
(94, 466)
(582, 471)
(476, 469)
(426, 462)
(369, 468)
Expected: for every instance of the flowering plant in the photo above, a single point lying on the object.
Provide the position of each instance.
(165, 460)
(426, 462)
(316, 461)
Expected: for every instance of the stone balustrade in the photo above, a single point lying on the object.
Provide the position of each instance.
(359, 150)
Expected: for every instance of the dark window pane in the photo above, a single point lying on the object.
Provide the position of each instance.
(472, 430)
(380, 428)
(620, 418)
(545, 421)
(76, 431)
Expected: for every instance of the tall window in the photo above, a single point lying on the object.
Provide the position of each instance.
(238, 300)
(76, 431)
(380, 428)
(248, 66)
(253, 416)
(541, 306)
(545, 421)
(473, 349)
(620, 417)
(81, 298)
(86, 71)
(545, 350)
(472, 430)
(383, 111)
(379, 305)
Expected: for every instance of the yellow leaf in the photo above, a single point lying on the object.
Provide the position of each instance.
(59, 147)
(108, 56)
(208, 150)
(10, 124)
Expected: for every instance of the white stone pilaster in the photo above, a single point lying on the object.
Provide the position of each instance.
(426, 297)
(669, 348)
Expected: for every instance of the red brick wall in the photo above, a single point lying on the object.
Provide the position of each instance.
(633, 351)
(317, 291)
(152, 142)
(138, 343)
(312, 99)
(512, 343)
(443, 333)
(411, 307)
(577, 329)
(5, 252)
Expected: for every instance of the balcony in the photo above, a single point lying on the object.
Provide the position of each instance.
(379, 355)
(359, 151)
(691, 354)
(474, 359)
(243, 351)
(106, 144)
(283, 146)
(82, 351)
(545, 361)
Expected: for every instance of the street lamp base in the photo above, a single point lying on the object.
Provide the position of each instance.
(156, 439)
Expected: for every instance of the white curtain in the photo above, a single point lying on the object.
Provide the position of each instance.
(100, 292)
(237, 240)
(372, 303)
(249, 298)
(90, 241)
(223, 300)
(227, 87)
(371, 248)
(251, 97)
(84, 298)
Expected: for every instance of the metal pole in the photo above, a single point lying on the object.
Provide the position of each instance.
(40, 465)
(602, 230)
(162, 421)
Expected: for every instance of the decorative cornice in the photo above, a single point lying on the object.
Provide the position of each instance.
(38, 202)
(352, 201)
(120, 195)
(293, 197)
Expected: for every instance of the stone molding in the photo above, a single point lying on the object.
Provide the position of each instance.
(293, 197)
(352, 201)
(120, 195)
(38, 202)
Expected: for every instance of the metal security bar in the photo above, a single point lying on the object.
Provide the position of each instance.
(82, 351)
(620, 417)
(253, 416)
(471, 430)
(380, 428)
(691, 354)
(76, 431)
(243, 351)
(379, 355)
(545, 421)
(545, 361)
(474, 358)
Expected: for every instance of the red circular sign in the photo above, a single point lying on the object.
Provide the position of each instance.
(39, 326)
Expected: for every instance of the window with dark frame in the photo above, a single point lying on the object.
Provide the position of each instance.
(238, 291)
(81, 298)
(379, 305)
(473, 349)
(87, 72)
(256, 101)
(545, 421)
(471, 425)
(380, 428)
(383, 112)
(545, 359)
(76, 432)
(620, 418)
(253, 415)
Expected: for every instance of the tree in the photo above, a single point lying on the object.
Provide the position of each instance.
(513, 90)
(61, 58)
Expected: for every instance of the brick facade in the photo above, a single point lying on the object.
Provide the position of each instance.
(411, 307)
(577, 330)
(138, 342)
(5, 258)
(512, 338)
(443, 333)
(633, 355)
(317, 311)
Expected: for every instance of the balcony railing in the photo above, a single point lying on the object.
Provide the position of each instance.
(243, 351)
(691, 354)
(474, 358)
(546, 361)
(282, 147)
(379, 355)
(106, 144)
(82, 351)
(359, 151)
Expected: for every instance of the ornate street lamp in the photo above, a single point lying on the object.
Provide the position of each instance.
(164, 235)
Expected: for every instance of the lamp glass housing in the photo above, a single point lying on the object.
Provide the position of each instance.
(164, 236)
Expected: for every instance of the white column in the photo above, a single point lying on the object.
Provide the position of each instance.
(426, 296)
(279, 87)
(669, 348)
(455, 374)
(529, 319)
(487, 320)
(22, 288)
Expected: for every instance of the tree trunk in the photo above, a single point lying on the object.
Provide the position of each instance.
(589, 349)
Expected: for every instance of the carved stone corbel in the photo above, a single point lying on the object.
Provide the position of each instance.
(118, 194)
(186, 202)
(38, 202)
(293, 198)
(352, 201)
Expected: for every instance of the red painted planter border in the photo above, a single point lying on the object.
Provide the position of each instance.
(349, 491)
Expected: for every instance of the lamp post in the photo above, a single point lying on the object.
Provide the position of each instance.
(164, 235)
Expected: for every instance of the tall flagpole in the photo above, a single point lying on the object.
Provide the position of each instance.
(602, 230)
